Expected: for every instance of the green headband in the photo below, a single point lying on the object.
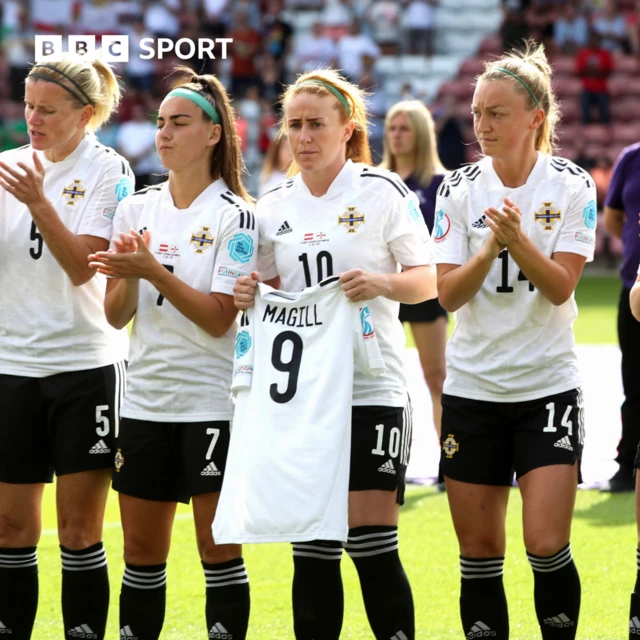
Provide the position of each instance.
(321, 83)
(194, 96)
(522, 82)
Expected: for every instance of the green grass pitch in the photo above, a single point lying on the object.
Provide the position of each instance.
(604, 543)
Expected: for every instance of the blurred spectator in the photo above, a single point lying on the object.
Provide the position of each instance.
(268, 125)
(336, 17)
(276, 162)
(243, 53)
(571, 30)
(582, 159)
(277, 35)
(270, 82)
(136, 141)
(419, 22)
(384, 16)
(13, 127)
(161, 18)
(352, 48)
(214, 17)
(139, 72)
(540, 17)
(601, 175)
(514, 30)
(594, 65)
(449, 134)
(315, 50)
(97, 17)
(46, 15)
(633, 29)
(612, 28)
(18, 46)
(304, 4)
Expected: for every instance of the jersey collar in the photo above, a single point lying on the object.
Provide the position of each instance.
(216, 187)
(344, 180)
(72, 157)
(536, 173)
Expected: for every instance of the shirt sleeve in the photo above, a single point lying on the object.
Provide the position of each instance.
(114, 185)
(450, 231)
(243, 356)
(614, 193)
(266, 248)
(578, 233)
(237, 253)
(123, 221)
(367, 354)
(406, 232)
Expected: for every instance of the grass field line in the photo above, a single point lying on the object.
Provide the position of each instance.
(115, 525)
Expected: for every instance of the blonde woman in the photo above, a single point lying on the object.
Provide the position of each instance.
(411, 150)
(277, 161)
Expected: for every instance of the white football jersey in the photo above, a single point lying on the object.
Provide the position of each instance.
(47, 325)
(177, 371)
(287, 473)
(369, 220)
(510, 342)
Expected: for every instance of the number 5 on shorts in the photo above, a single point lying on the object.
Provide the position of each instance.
(551, 408)
(102, 420)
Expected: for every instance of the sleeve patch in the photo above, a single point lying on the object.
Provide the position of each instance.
(243, 343)
(230, 273)
(585, 238)
(441, 226)
(108, 212)
(414, 211)
(590, 215)
(124, 188)
(365, 319)
(241, 248)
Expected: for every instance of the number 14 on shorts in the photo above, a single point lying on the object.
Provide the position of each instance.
(550, 428)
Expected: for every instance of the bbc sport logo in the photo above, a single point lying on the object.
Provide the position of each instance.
(115, 48)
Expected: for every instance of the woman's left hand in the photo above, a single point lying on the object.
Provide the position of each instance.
(130, 264)
(25, 187)
(505, 224)
(360, 285)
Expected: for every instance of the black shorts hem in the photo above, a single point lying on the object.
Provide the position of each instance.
(82, 469)
(151, 495)
(428, 311)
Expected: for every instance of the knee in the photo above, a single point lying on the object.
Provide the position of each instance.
(545, 546)
(140, 551)
(481, 547)
(77, 534)
(434, 378)
(212, 553)
(17, 533)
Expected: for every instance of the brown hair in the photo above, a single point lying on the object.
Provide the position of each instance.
(358, 145)
(226, 159)
(87, 81)
(270, 163)
(533, 69)
(426, 161)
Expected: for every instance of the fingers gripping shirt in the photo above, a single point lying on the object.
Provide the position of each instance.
(510, 342)
(177, 371)
(47, 325)
(369, 220)
(287, 474)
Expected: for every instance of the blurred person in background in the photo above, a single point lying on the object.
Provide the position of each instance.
(571, 29)
(315, 50)
(418, 21)
(277, 161)
(611, 26)
(243, 53)
(621, 219)
(451, 146)
(411, 151)
(384, 18)
(594, 65)
(352, 47)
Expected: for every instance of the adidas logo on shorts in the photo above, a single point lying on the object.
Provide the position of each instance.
(634, 626)
(481, 223)
(564, 443)
(219, 632)
(561, 621)
(481, 630)
(210, 470)
(5, 631)
(388, 467)
(83, 631)
(284, 228)
(100, 447)
(127, 634)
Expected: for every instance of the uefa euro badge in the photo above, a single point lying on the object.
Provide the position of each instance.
(243, 344)
(365, 319)
(352, 219)
(73, 192)
(202, 240)
(590, 215)
(241, 248)
(450, 446)
(547, 216)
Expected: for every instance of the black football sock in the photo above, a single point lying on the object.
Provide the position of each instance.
(18, 592)
(142, 601)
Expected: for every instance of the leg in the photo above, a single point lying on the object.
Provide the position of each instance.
(585, 104)
(431, 339)
(81, 500)
(478, 512)
(228, 601)
(548, 500)
(603, 107)
(373, 547)
(629, 338)
(634, 614)
(146, 526)
(20, 526)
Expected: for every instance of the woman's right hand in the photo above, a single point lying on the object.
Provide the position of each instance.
(244, 290)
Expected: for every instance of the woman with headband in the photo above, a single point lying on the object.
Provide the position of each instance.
(61, 364)
(512, 233)
(176, 252)
(347, 218)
